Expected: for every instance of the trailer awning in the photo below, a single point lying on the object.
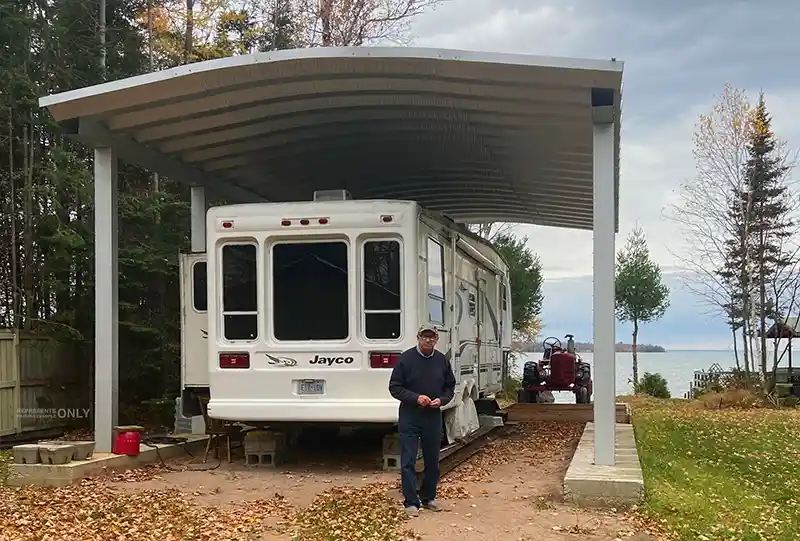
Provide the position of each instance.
(477, 136)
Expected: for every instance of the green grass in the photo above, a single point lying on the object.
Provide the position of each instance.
(720, 474)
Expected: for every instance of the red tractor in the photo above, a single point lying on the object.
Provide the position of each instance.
(559, 370)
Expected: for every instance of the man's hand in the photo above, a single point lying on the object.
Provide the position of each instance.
(423, 400)
(435, 403)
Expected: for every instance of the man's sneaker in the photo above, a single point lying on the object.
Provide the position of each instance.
(432, 506)
(412, 511)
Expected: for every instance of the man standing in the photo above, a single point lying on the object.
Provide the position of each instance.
(423, 382)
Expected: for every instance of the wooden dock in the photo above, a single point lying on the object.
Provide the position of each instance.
(521, 413)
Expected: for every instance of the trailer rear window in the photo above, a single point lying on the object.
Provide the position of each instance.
(310, 291)
(239, 292)
(382, 311)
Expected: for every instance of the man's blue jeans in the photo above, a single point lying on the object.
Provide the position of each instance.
(415, 425)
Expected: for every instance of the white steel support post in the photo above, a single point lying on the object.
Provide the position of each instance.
(106, 340)
(604, 318)
(198, 219)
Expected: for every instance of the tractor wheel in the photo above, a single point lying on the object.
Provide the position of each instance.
(582, 396)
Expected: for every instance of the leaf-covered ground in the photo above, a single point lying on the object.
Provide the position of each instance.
(720, 474)
(504, 489)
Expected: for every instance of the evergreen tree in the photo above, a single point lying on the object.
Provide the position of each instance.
(281, 31)
(736, 271)
(771, 222)
(525, 275)
(640, 295)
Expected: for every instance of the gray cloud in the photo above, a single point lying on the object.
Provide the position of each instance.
(678, 55)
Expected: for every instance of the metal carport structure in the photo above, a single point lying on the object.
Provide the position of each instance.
(477, 136)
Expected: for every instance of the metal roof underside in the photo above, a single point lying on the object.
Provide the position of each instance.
(479, 137)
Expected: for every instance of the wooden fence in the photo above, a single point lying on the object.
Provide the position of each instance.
(38, 385)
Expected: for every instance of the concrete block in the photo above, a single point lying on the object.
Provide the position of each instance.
(391, 452)
(268, 460)
(83, 449)
(391, 462)
(56, 454)
(593, 485)
(264, 442)
(26, 454)
(60, 475)
(490, 420)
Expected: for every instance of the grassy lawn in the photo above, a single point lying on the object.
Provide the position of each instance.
(720, 474)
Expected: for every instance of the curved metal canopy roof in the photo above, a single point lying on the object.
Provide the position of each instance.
(479, 137)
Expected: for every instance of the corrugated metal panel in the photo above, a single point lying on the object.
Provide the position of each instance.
(477, 136)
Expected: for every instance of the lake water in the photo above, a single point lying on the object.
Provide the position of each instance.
(676, 366)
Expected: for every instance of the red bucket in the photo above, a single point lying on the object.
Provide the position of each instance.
(127, 443)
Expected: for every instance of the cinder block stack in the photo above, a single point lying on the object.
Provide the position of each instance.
(391, 452)
(264, 448)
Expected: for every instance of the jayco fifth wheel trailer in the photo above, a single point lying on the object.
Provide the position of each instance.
(298, 311)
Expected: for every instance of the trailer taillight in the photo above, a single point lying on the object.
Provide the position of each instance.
(383, 360)
(234, 360)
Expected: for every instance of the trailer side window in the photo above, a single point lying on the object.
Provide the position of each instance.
(382, 306)
(435, 282)
(239, 292)
(503, 297)
(199, 291)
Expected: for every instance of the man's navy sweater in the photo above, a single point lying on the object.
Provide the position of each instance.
(415, 375)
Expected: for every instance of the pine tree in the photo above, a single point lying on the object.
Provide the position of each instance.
(771, 223)
(640, 294)
(736, 273)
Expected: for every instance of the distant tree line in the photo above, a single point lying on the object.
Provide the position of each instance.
(588, 347)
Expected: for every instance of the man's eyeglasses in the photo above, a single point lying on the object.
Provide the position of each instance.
(428, 337)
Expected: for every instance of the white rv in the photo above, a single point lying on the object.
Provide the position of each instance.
(298, 311)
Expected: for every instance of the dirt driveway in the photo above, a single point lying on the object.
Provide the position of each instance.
(509, 491)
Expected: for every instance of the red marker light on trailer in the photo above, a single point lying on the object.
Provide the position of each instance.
(227, 225)
(323, 221)
(379, 359)
(386, 218)
(303, 222)
(286, 222)
(234, 360)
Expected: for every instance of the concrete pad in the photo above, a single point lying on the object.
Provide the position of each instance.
(592, 485)
(59, 475)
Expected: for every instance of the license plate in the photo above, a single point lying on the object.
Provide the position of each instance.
(312, 386)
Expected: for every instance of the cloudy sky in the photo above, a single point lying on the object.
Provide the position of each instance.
(678, 55)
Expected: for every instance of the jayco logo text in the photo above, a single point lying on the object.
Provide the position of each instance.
(328, 361)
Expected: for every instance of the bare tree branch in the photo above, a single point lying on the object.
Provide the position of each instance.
(338, 23)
